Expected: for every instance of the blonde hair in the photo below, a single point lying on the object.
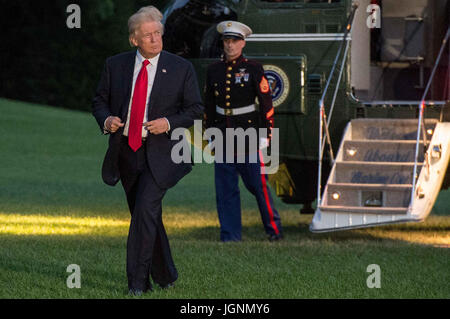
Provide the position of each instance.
(144, 14)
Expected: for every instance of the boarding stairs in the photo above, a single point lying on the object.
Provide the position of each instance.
(386, 170)
(371, 181)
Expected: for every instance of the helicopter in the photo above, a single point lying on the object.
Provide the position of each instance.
(361, 97)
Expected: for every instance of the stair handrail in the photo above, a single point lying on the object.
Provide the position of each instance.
(421, 121)
(322, 114)
(336, 89)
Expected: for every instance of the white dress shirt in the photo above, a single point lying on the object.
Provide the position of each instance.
(151, 71)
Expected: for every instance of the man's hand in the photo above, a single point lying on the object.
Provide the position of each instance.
(113, 123)
(157, 126)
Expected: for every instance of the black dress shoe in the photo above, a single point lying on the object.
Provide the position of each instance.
(135, 292)
(275, 237)
(167, 286)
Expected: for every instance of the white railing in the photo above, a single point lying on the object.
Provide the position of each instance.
(323, 121)
(421, 121)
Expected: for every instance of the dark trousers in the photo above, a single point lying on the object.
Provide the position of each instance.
(229, 203)
(148, 250)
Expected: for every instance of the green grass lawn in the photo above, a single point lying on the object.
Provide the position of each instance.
(55, 211)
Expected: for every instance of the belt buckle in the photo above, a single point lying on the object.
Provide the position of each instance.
(228, 112)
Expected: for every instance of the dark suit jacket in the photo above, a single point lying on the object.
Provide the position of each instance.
(175, 95)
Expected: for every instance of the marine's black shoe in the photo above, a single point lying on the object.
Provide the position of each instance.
(275, 237)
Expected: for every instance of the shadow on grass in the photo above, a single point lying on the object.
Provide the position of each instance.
(50, 275)
(300, 234)
(36, 266)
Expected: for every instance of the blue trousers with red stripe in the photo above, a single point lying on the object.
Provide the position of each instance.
(229, 202)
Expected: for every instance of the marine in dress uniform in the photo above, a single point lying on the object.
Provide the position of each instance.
(233, 84)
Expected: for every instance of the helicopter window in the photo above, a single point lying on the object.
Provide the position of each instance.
(190, 27)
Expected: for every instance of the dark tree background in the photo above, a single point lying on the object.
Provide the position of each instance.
(43, 61)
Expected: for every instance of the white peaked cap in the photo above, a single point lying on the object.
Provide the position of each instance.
(233, 29)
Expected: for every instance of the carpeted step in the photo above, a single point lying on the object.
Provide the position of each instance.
(364, 210)
(388, 129)
(365, 195)
(374, 172)
(381, 151)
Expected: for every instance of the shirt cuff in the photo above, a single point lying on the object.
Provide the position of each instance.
(105, 130)
(168, 124)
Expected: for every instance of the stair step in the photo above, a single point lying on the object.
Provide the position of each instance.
(374, 172)
(365, 210)
(388, 129)
(373, 186)
(381, 150)
(348, 194)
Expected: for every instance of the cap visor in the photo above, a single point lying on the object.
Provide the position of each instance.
(232, 36)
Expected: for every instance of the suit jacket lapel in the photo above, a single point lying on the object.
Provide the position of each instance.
(128, 70)
(157, 83)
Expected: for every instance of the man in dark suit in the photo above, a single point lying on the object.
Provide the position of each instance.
(142, 97)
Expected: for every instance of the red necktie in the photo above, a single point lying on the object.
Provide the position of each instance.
(138, 108)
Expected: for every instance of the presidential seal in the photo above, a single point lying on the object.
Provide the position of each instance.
(278, 83)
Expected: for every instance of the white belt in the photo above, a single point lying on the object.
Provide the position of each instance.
(236, 111)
